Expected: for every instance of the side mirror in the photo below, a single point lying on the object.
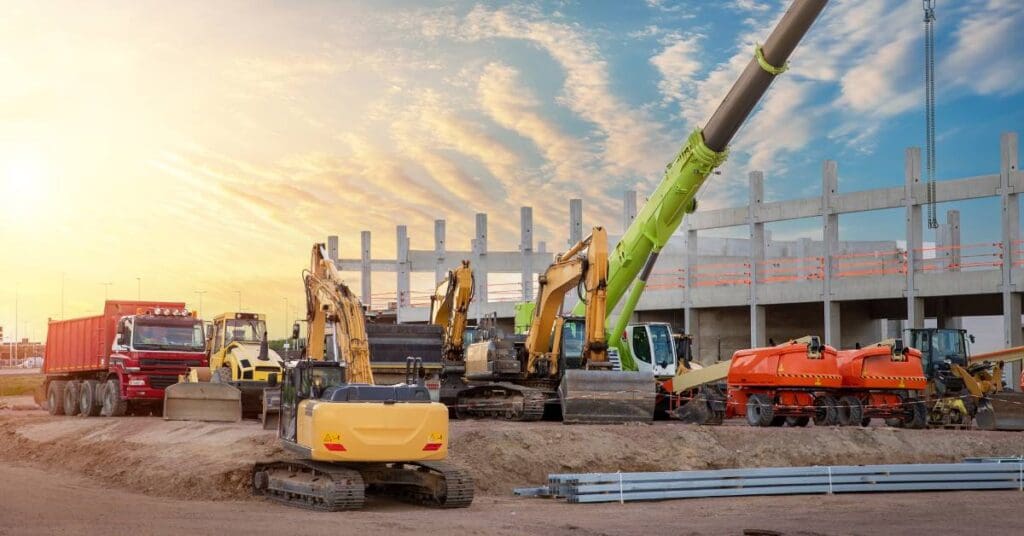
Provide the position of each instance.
(295, 330)
(971, 338)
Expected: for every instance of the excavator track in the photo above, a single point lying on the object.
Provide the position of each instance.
(311, 485)
(503, 400)
(432, 484)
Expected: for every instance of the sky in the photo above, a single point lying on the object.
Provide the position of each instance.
(186, 150)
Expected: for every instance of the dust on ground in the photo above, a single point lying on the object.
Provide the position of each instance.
(212, 461)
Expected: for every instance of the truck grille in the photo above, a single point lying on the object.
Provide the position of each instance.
(172, 363)
(162, 382)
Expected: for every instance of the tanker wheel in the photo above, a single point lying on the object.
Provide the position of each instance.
(89, 400)
(850, 411)
(55, 397)
(917, 414)
(113, 404)
(221, 375)
(798, 422)
(71, 398)
(826, 411)
(760, 411)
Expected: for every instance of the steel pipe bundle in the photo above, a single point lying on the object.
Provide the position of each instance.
(622, 487)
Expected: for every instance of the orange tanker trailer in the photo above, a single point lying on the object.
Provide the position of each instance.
(885, 380)
(790, 383)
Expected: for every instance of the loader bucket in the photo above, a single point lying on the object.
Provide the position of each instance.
(1001, 411)
(214, 402)
(271, 415)
(605, 396)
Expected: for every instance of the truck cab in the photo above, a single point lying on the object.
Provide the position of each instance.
(151, 348)
(653, 348)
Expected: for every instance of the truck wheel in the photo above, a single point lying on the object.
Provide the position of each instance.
(221, 375)
(826, 412)
(89, 403)
(113, 404)
(851, 411)
(55, 397)
(760, 411)
(71, 398)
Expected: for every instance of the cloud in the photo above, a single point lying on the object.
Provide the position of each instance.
(985, 57)
(677, 63)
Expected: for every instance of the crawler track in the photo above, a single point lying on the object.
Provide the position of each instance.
(505, 401)
(311, 485)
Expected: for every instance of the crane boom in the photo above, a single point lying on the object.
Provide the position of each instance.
(705, 149)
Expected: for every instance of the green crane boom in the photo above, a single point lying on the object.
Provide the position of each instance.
(705, 149)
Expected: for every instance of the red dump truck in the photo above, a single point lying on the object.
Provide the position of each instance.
(121, 360)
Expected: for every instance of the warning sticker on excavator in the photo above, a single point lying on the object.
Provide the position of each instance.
(436, 436)
(331, 437)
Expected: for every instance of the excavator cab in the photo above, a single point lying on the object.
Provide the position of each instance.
(653, 348)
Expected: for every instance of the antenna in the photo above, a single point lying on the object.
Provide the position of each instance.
(929, 90)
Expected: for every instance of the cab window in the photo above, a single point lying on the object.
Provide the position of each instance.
(641, 345)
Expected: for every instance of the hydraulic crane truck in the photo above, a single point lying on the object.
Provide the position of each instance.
(635, 255)
(515, 377)
(347, 433)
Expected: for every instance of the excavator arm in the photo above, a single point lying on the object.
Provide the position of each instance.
(337, 324)
(449, 308)
(565, 274)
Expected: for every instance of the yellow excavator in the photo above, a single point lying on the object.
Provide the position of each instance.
(347, 433)
(513, 377)
(233, 386)
(449, 309)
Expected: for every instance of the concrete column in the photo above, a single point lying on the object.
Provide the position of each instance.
(628, 209)
(912, 179)
(526, 248)
(953, 238)
(1009, 189)
(440, 252)
(365, 268)
(542, 247)
(575, 221)
(691, 317)
(830, 237)
(332, 248)
(403, 268)
(757, 320)
(480, 264)
(691, 258)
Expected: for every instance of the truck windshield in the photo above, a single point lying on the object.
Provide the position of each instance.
(155, 335)
(245, 330)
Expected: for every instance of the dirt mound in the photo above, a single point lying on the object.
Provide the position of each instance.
(211, 461)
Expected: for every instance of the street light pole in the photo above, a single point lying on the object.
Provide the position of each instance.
(138, 282)
(200, 293)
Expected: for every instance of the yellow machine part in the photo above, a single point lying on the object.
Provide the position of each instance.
(373, 431)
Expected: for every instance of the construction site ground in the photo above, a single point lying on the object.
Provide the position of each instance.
(70, 474)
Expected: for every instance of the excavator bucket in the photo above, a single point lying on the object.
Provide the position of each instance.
(605, 396)
(1001, 411)
(202, 401)
(271, 415)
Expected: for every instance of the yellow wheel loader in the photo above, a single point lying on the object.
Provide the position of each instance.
(347, 433)
(242, 367)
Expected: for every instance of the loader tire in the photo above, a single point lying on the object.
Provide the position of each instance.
(850, 411)
(55, 397)
(826, 411)
(90, 401)
(71, 391)
(760, 411)
(113, 404)
(221, 375)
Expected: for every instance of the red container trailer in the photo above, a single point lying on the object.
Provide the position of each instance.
(120, 360)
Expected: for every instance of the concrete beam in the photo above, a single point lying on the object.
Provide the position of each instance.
(1009, 190)
(480, 264)
(332, 247)
(440, 254)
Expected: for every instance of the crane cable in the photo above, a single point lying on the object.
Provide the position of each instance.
(929, 88)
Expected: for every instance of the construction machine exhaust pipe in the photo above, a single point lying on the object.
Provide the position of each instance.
(606, 397)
